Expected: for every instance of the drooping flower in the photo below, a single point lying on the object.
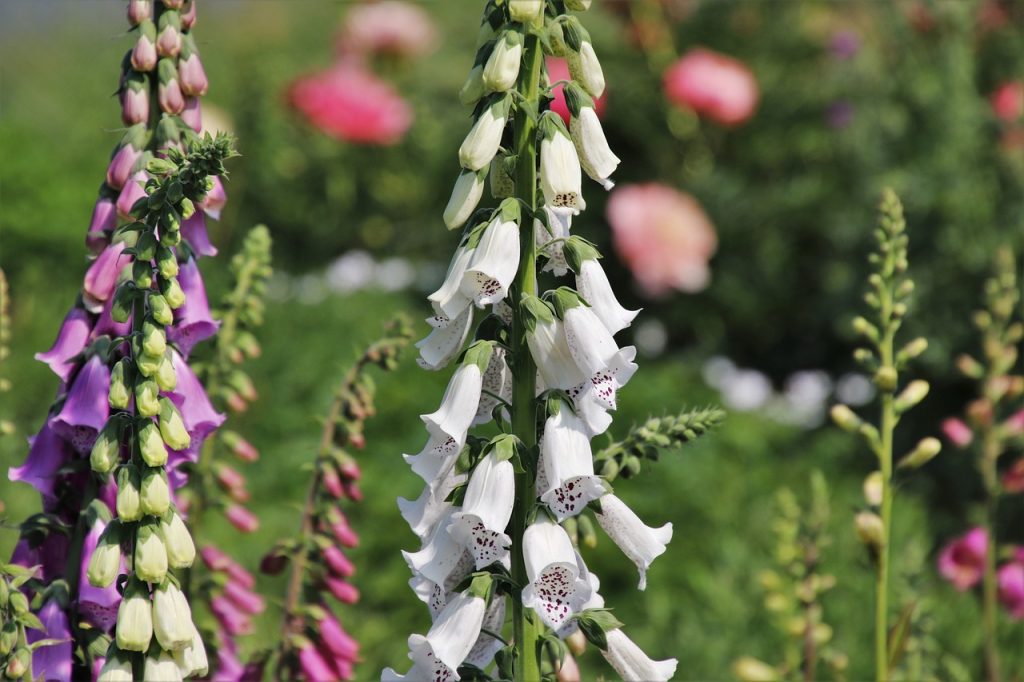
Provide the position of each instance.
(389, 27)
(502, 67)
(445, 340)
(585, 68)
(566, 480)
(632, 664)
(558, 70)
(48, 452)
(134, 619)
(350, 103)
(592, 284)
(172, 617)
(560, 174)
(664, 237)
(424, 513)
(713, 85)
(596, 157)
(590, 343)
(962, 561)
(85, 410)
(469, 187)
(486, 510)
(638, 541)
(450, 638)
(555, 591)
(458, 407)
(484, 138)
(494, 262)
(101, 277)
(440, 553)
(1010, 581)
(192, 321)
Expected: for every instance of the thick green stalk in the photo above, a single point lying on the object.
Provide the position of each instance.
(885, 456)
(524, 419)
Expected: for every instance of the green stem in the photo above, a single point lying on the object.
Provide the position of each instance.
(990, 609)
(882, 580)
(524, 419)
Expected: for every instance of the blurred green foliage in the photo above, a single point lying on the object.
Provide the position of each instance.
(793, 202)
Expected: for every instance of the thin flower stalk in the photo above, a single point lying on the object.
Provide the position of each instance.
(494, 516)
(889, 293)
(6, 426)
(313, 643)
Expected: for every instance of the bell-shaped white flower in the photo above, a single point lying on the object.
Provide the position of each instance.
(593, 285)
(596, 157)
(640, 542)
(134, 628)
(502, 68)
(497, 388)
(116, 668)
(473, 89)
(568, 465)
(436, 458)
(551, 239)
(181, 550)
(487, 645)
(423, 513)
(469, 187)
(494, 263)
(632, 664)
(560, 177)
(191, 660)
(595, 396)
(445, 340)
(590, 343)
(453, 634)
(484, 138)
(458, 407)
(449, 301)
(163, 668)
(486, 510)
(439, 555)
(435, 595)
(172, 617)
(525, 10)
(555, 591)
(585, 69)
(594, 601)
(551, 354)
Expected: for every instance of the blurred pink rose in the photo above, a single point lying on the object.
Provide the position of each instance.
(389, 27)
(558, 70)
(1007, 101)
(962, 561)
(350, 103)
(957, 432)
(713, 85)
(1011, 589)
(664, 237)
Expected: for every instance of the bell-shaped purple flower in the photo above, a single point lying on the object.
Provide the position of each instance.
(192, 115)
(101, 277)
(85, 410)
(194, 232)
(51, 555)
(71, 339)
(192, 321)
(53, 662)
(189, 396)
(97, 604)
(48, 452)
(215, 199)
(104, 218)
(132, 192)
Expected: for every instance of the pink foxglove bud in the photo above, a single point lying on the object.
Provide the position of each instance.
(957, 432)
(125, 159)
(192, 114)
(334, 638)
(190, 70)
(139, 11)
(229, 478)
(343, 591)
(188, 16)
(172, 101)
(338, 562)
(352, 491)
(173, 4)
(135, 99)
(244, 599)
(1011, 589)
(242, 519)
(144, 55)
(313, 665)
(242, 449)
(341, 529)
(168, 40)
(104, 219)
(215, 199)
(132, 192)
(234, 621)
(962, 561)
(215, 559)
(332, 482)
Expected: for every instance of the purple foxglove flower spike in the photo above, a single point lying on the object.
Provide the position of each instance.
(85, 410)
(53, 662)
(71, 340)
(192, 321)
(104, 219)
(194, 232)
(101, 277)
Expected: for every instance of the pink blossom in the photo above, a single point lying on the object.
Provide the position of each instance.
(1007, 101)
(229, 477)
(388, 27)
(1013, 478)
(335, 639)
(170, 96)
(144, 54)
(342, 531)
(214, 201)
(957, 432)
(558, 70)
(664, 237)
(134, 105)
(101, 277)
(230, 616)
(352, 491)
(338, 562)
(214, 558)
(314, 667)
(342, 591)
(192, 76)
(192, 114)
(962, 561)
(242, 519)
(350, 103)
(1011, 589)
(121, 166)
(244, 599)
(104, 218)
(713, 85)
(139, 10)
(332, 482)
(132, 192)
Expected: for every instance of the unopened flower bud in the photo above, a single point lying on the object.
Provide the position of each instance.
(750, 669)
(18, 664)
(190, 71)
(469, 187)
(117, 667)
(873, 486)
(577, 643)
(181, 550)
(242, 519)
(150, 555)
(865, 329)
(870, 530)
(166, 262)
(124, 300)
(139, 11)
(8, 632)
(106, 451)
(502, 67)
(160, 311)
(845, 418)
(155, 493)
(151, 445)
(343, 591)
(242, 448)
(168, 41)
(922, 454)
(525, 11)
(135, 100)
(129, 506)
(970, 367)
(473, 89)
(145, 247)
(172, 100)
(585, 69)
(171, 291)
(144, 55)
(134, 619)
(913, 349)
(484, 138)
(913, 394)
(165, 376)
(154, 339)
(123, 162)
(192, 660)
(172, 618)
(147, 395)
(577, 5)
(885, 379)
(172, 428)
(105, 562)
(273, 563)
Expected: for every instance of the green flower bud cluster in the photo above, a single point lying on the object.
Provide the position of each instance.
(794, 590)
(6, 427)
(16, 618)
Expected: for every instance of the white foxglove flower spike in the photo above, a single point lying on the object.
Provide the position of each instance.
(495, 258)
(484, 138)
(555, 591)
(632, 664)
(453, 634)
(551, 239)
(640, 542)
(445, 341)
(596, 157)
(502, 67)
(560, 177)
(486, 510)
(466, 193)
(449, 302)
(568, 465)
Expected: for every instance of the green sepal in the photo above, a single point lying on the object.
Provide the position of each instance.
(506, 448)
(157, 166)
(167, 70)
(574, 33)
(509, 210)
(564, 299)
(479, 354)
(551, 124)
(482, 586)
(595, 623)
(171, 290)
(533, 310)
(577, 99)
(577, 250)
